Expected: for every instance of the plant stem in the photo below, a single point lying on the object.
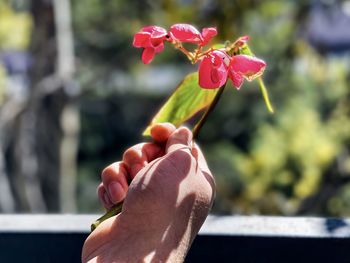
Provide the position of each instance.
(188, 54)
(265, 95)
(204, 117)
(116, 209)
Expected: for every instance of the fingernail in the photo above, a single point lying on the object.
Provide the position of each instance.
(116, 192)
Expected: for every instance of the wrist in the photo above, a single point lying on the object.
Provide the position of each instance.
(131, 242)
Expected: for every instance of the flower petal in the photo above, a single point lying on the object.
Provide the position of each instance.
(185, 33)
(236, 78)
(155, 31)
(219, 75)
(207, 34)
(206, 76)
(213, 70)
(247, 66)
(159, 48)
(241, 41)
(148, 55)
(151, 38)
(142, 39)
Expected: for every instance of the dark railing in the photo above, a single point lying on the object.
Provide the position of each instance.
(59, 238)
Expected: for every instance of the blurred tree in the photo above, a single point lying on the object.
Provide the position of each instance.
(43, 132)
(12, 99)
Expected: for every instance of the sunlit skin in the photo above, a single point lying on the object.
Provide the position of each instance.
(167, 191)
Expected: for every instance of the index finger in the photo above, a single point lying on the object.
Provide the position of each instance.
(160, 132)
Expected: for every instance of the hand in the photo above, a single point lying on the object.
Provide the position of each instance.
(166, 203)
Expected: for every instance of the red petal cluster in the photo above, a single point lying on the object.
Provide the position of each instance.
(188, 33)
(217, 66)
(213, 70)
(151, 39)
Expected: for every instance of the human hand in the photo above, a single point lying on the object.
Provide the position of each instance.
(167, 201)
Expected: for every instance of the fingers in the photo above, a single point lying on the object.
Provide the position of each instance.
(138, 156)
(115, 184)
(179, 139)
(103, 196)
(160, 132)
(115, 178)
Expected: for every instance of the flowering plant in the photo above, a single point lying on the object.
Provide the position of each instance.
(202, 90)
(217, 65)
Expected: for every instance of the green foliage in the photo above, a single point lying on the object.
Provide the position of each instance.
(288, 159)
(290, 154)
(187, 100)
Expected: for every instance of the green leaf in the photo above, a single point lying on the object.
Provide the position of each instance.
(218, 46)
(186, 101)
(245, 50)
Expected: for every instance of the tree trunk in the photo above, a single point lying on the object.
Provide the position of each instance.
(42, 150)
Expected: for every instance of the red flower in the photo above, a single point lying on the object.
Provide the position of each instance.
(207, 34)
(243, 66)
(213, 70)
(185, 33)
(151, 39)
(188, 33)
(218, 66)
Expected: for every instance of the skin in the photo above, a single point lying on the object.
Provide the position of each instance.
(167, 189)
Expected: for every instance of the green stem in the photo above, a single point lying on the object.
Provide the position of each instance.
(116, 209)
(265, 95)
(201, 122)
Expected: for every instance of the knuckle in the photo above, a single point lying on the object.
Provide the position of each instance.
(181, 159)
(127, 153)
(183, 154)
(133, 152)
(106, 172)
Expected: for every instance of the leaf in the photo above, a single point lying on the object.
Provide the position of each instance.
(218, 46)
(187, 99)
(245, 50)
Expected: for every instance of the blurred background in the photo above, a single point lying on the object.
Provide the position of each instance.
(74, 95)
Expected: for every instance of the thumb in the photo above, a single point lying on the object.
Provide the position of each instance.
(179, 139)
(202, 163)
